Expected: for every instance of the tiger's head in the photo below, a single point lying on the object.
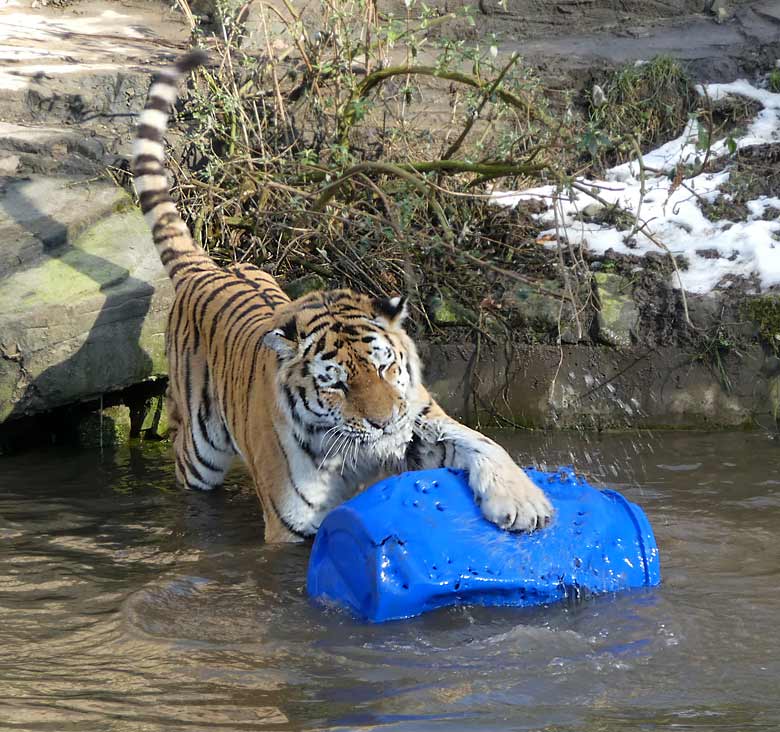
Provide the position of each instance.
(347, 369)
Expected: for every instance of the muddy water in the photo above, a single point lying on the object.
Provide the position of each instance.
(127, 604)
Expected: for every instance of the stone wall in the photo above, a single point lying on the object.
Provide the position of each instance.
(605, 388)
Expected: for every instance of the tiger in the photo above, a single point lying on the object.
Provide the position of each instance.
(319, 396)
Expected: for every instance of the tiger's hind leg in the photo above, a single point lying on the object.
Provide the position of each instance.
(173, 415)
(201, 443)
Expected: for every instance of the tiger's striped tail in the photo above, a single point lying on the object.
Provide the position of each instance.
(178, 252)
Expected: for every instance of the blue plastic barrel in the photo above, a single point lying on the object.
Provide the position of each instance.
(417, 541)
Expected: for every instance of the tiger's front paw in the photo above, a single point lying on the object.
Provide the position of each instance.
(509, 499)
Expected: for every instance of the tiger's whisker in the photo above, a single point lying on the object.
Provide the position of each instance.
(333, 434)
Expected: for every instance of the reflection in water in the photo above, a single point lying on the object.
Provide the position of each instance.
(128, 604)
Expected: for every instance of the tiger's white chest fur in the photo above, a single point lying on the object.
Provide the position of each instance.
(332, 468)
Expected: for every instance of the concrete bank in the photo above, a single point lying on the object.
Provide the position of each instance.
(603, 388)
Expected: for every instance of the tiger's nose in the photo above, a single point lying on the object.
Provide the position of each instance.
(379, 423)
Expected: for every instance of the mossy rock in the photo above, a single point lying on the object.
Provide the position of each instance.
(765, 313)
(444, 310)
(534, 308)
(617, 320)
(774, 398)
(304, 285)
(104, 428)
(87, 317)
(150, 418)
(542, 313)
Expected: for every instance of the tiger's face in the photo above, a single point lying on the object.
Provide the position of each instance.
(347, 369)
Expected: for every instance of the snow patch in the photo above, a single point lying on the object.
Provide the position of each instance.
(670, 210)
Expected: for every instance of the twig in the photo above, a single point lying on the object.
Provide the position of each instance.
(486, 95)
(378, 77)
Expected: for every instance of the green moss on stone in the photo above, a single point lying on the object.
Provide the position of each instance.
(773, 81)
(618, 316)
(536, 309)
(765, 313)
(155, 419)
(125, 203)
(446, 310)
(10, 374)
(546, 316)
(304, 285)
(152, 342)
(107, 428)
(774, 398)
(86, 269)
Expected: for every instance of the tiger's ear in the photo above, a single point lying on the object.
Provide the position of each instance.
(283, 340)
(392, 309)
